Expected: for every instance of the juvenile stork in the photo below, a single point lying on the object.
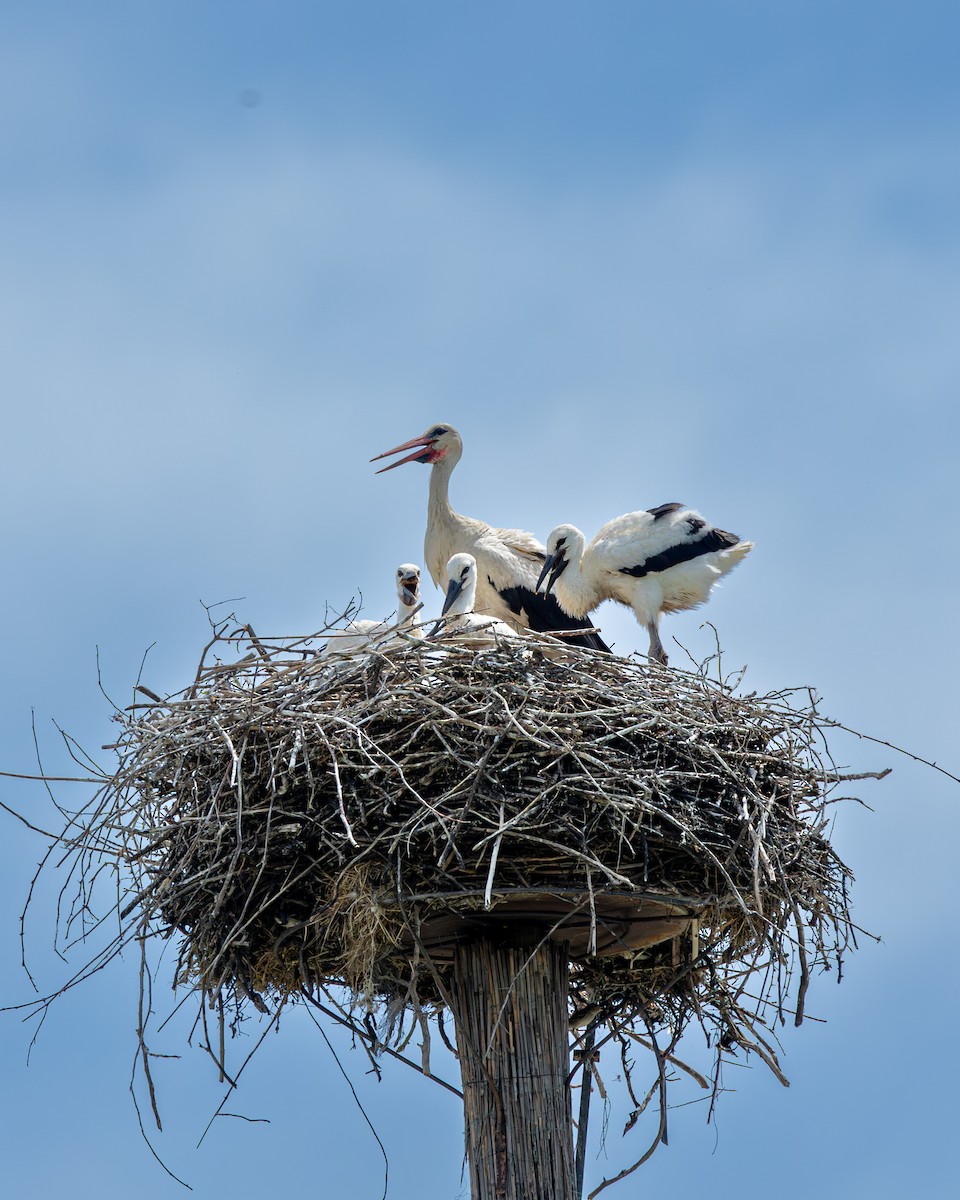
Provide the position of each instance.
(359, 636)
(508, 560)
(663, 559)
(459, 617)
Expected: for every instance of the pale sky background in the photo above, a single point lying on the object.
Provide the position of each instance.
(636, 252)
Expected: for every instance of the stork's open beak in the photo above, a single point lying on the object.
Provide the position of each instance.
(417, 456)
(410, 586)
(454, 588)
(555, 566)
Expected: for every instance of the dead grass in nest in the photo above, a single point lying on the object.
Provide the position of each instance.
(291, 828)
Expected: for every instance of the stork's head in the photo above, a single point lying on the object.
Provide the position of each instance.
(408, 584)
(564, 544)
(461, 583)
(440, 443)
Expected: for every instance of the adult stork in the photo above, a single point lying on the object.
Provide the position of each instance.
(662, 559)
(360, 636)
(508, 560)
(459, 616)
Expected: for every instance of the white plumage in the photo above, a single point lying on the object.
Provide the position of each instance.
(459, 618)
(508, 560)
(361, 636)
(659, 560)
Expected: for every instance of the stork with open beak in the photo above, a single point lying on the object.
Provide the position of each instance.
(358, 637)
(662, 559)
(508, 560)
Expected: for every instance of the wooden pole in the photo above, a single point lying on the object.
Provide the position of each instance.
(510, 995)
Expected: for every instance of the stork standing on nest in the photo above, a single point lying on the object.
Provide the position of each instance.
(663, 559)
(459, 617)
(359, 636)
(508, 560)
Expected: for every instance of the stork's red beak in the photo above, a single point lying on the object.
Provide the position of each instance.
(417, 456)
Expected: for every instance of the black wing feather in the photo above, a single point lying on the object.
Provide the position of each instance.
(664, 510)
(713, 539)
(544, 615)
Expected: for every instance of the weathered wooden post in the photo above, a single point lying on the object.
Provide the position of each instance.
(510, 989)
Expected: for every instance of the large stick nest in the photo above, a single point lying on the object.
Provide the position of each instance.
(293, 825)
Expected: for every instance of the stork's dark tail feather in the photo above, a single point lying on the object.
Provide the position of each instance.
(544, 615)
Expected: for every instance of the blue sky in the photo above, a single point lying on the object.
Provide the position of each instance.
(636, 253)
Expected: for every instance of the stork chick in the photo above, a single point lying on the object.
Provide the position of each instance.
(360, 636)
(662, 559)
(459, 619)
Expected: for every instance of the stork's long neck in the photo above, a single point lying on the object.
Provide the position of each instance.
(438, 502)
(440, 541)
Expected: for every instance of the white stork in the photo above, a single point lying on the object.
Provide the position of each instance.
(359, 636)
(663, 559)
(459, 617)
(508, 560)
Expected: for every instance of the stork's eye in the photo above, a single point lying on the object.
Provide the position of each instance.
(437, 431)
(561, 543)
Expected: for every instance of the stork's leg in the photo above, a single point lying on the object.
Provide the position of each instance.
(656, 651)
